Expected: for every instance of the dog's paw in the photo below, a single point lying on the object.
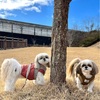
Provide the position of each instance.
(34, 82)
(90, 90)
(38, 83)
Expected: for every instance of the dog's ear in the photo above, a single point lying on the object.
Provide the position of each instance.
(95, 68)
(36, 62)
(78, 68)
(49, 64)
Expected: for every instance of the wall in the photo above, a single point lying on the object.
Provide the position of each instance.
(24, 28)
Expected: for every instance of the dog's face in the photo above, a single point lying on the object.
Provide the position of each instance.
(42, 59)
(88, 67)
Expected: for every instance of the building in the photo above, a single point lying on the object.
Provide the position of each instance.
(34, 33)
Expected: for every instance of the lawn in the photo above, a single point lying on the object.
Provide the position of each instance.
(50, 91)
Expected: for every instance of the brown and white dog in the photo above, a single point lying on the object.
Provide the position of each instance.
(11, 70)
(83, 73)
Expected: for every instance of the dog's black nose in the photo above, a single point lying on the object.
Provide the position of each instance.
(86, 67)
(44, 59)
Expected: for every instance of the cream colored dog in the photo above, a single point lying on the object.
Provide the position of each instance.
(11, 70)
(83, 73)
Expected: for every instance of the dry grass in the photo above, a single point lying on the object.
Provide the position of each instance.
(50, 91)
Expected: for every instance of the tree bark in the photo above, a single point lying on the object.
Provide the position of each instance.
(59, 41)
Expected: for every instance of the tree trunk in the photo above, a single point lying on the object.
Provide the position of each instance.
(59, 41)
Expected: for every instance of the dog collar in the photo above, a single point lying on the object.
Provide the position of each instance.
(42, 71)
(84, 80)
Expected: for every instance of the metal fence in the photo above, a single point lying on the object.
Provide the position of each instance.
(10, 42)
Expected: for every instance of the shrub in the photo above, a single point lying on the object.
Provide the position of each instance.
(92, 38)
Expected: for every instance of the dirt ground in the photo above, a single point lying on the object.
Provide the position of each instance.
(27, 55)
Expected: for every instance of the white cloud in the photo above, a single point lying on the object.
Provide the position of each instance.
(19, 4)
(6, 14)
(28, 5)
(33, 8)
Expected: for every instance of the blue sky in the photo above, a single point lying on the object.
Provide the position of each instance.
(41, 12)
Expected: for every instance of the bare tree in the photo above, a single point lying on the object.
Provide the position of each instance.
(91, 24)
(59, 41)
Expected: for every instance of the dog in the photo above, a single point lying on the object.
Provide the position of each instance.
(11, 70)
(83, 72)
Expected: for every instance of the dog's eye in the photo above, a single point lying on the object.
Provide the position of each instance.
(83, 65)
(46, 57)
(15, 69)
(41, 58)
(89, 65)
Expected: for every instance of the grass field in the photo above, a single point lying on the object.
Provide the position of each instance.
(50, 91)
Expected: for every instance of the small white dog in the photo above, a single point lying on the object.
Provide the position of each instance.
(83, 73)
(11, 70)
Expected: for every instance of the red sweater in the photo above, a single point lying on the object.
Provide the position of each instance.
(31, 73)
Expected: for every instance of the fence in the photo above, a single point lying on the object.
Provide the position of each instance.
(10, 42)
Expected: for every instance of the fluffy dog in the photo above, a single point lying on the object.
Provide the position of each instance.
(11, 70)
(83, 73)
